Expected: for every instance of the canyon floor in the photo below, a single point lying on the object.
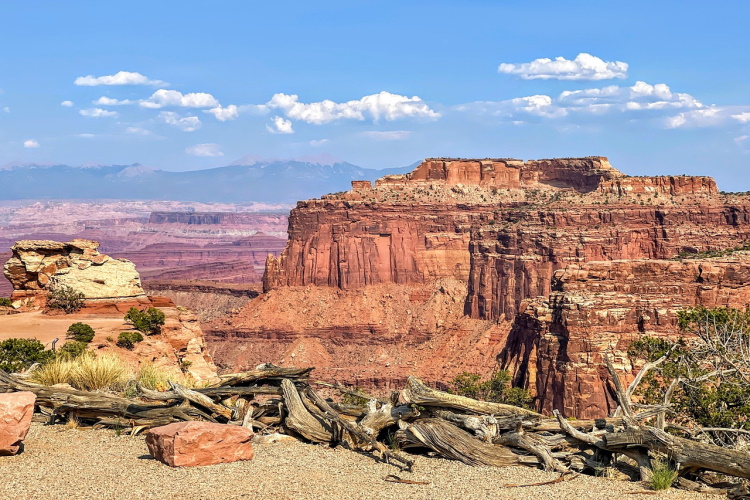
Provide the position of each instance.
(59, 462)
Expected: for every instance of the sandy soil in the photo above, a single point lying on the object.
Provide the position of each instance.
(77, 463)
(46, 328)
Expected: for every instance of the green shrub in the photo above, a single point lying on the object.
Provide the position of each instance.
(129, 339)
(5, 302)
(65, 298)
(73, 350)
(18, 354)
(148, 321)
(662, 475)
(497, 389)
(81, 332)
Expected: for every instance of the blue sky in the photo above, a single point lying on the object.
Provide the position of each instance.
(662, 87)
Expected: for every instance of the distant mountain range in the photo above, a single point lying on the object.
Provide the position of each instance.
(247, 179)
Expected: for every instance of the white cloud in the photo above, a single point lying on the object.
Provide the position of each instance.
(707, 117)
(184, 123)
(741, 139)
(389, 135)
(640, 98)
(223, 114)
(318, 143)
(6, 109)
(280, 126)
(138, 131)
(209, 149)
(97, 113)
(119, 78)
(108, 101)
(583, 67)
(86, 136)
(383, 105)
(30, 144)
(67, 104)
(742, 117)
(163, 98)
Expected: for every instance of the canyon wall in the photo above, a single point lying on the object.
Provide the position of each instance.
(557, 343)
(500, 230)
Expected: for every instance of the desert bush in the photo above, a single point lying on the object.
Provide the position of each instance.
(148, 321)
(129, 339)
(81, 332)
(497, 389)
(662, 475)
(105, 372)
(18, 354)
(65, 298)
(5, 302)
(73, 349)
(58, 371)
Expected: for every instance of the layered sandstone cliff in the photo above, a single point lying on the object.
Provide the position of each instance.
(501, 230)
(557, 344)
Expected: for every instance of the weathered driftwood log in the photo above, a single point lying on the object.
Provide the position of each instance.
(201, 400)
(357, 432)
(484, 427)
(533, 444)
(211, 392)
(299, 419)
(417, 392)
(689, 454)
(96, 405)
(377, 419)
(262, 372)
(452, 442)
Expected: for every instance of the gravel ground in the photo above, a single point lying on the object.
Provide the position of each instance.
(60, 462)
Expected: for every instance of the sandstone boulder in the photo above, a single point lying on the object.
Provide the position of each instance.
(16, 410)
(39, 266)
(187, 444)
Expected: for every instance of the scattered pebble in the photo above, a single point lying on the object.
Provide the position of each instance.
(60, 462)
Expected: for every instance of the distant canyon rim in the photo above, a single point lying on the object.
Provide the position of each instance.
(538, 267)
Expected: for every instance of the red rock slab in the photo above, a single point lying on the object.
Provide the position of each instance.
(16, 410)
(189, 444)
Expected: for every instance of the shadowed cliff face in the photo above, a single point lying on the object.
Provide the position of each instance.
(504, 229)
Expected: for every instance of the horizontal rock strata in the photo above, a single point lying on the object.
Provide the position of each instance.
(502, 229)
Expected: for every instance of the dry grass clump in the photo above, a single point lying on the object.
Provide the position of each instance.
(57, 371)
(87, 373)
(105, 372)
(152, 377)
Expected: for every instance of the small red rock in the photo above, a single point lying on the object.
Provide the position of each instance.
(16, 410)
(186, 444)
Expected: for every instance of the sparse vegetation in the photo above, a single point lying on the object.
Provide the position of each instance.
(497, 389)
(128, 340)
(65, 298)
(5, 302)
(704, 375)
(94, 373)
(58, 371)
(151, 377)
(148, 321)
(662, 475)
(708, 254)
(17, 355)
(81, 332)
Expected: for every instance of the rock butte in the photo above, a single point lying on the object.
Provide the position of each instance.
(538, 266)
